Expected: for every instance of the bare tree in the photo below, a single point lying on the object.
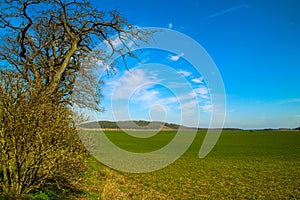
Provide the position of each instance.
(45, 45)
(46, 41)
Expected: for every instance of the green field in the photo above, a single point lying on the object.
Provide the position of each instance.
(243, 165)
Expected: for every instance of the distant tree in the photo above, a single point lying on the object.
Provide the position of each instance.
(45, 43)
(298, 128)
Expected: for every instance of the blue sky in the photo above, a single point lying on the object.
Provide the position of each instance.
(255, 45)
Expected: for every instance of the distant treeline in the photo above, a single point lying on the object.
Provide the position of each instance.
(282, 129)
(141, 124)
(131, 125)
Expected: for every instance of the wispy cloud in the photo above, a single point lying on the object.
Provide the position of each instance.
(232, 9)
(143, 61)
(197, 80)
(202, 93)
(139, 87)
(175, 57)
(184, 73)
(189, 108)
(131, 82)
(288, 101)
(145, 95)
(201, 90)
(116, 42)
(206, 107)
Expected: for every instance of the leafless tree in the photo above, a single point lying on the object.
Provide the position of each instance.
(45, 44)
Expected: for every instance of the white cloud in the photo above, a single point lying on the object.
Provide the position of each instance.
(117, 42)
(207, 107)
(168, 101)
(131, 42)
(184, 73)
(143, 61)
(149, 97)
(191, 94)
(204, 96)
(175, 57)
(144, 95)
(170, 25)
(132, 81)
(190, 110)
(197, 80)
(114, 42)
(189, 105)
(100, 63)
(201, 90)
(157, 108)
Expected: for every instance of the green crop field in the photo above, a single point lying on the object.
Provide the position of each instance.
(242, 165)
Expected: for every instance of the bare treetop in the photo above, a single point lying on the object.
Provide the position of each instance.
(47, 40)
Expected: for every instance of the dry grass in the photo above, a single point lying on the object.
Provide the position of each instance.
(106, 184)
(120, 187)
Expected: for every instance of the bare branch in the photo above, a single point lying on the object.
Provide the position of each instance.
(46, 46)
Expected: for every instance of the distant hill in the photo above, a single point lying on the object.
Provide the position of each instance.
(141, 124)
(144, 125)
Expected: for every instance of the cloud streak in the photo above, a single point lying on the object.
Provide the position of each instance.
(184, 73)
(287, 101)
(197, 80)
(232, 9)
